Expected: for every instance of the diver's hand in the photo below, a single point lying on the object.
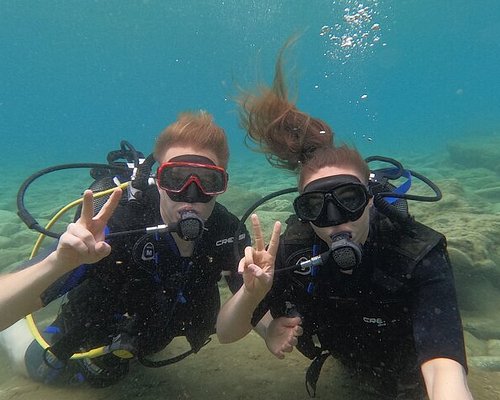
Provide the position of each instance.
(281, 335)
(257, 267)
(83, 241)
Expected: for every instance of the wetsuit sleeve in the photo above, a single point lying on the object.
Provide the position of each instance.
(437, 326)
(263, 307)
(233, 278)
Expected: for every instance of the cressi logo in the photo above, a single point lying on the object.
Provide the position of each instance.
(229, 240)
(374, 320)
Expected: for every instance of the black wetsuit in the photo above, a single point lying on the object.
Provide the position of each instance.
(143, 294)
(396, 311)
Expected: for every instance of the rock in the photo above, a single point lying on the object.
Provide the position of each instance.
(493, 347)
(485, 329)
(238, 200)
(474, 346)
(479, 152)
(488, 363)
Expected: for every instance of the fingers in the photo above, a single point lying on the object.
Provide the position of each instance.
(78, 243)
(275, 239)
(292, 341)
(96, 224)
(293, 322)
(241, 266)
(78, 233)
(298, 330)
(257, 232)
(87, 208)
(259, 238)
(248, 256)
(255, 270)
(72, 240)
(109, 207)
(287, 348)
(246, 260)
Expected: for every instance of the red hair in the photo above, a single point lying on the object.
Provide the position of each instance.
(196, 129)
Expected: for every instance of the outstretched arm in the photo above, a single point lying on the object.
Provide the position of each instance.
(82, 243)
(257, 268)
(445, 379)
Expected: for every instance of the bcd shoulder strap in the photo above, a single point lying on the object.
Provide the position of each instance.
(401, 249)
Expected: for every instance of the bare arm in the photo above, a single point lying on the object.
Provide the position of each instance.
(257, 268)
(445, 379)
(20, 291)
(234, 319)
(82, 243)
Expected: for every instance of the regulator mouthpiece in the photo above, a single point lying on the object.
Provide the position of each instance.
(190, 227)
(345, 253)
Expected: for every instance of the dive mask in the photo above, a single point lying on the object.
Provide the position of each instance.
(333, 200)
(191, 179)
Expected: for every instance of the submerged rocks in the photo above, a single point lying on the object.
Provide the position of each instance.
(477, 152)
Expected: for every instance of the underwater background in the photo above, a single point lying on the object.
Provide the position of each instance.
(416, 80)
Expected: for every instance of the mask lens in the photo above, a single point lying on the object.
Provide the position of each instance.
(308, 206)
(212, 181)
(173, 178)
(351, 197)
(176, 176)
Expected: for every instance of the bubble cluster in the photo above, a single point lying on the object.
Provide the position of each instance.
(356, 30)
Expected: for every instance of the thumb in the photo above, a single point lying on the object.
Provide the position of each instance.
(102, 249)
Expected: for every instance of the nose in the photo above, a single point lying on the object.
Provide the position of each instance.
(192, 193)
(333, 214)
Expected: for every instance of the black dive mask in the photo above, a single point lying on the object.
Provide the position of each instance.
(333, 200)
(192, 193)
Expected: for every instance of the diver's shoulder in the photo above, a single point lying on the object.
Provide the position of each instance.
(221, 212)
(413, 239)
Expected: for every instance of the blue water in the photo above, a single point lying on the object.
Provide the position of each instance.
(76, 77)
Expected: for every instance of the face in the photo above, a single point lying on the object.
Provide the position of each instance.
(171, 210)
(359, 228)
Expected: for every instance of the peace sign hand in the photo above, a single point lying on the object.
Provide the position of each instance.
(257, 267)
(83, 241)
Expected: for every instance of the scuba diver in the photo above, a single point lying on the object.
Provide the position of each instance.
(169, 242)
(357, 277)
